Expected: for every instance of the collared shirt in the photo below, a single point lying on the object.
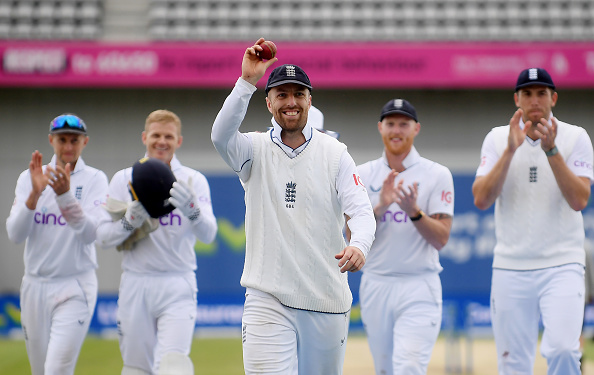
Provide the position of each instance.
(399, 249)
(577, 160)
(237, 151)
(55, 249)
(170, 248)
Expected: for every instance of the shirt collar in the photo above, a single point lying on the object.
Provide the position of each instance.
(276, 138)
(411, 159)
(80, 164)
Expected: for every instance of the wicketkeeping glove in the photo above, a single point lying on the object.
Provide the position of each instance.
(182, 197)
(135, 216)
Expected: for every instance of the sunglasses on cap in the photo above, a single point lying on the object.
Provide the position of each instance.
(68, 124)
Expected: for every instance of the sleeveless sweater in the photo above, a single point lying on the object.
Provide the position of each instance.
(294, 225)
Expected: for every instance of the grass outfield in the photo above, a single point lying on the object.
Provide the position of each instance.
(223, 356)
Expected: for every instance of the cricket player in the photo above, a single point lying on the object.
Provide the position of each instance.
(413, 203)
(538, 171)
(56, 211)
(158, 292)
(298, 185)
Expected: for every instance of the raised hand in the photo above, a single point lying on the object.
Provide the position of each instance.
(59, 178)
(407, 198)
(38, 180)
(253, 67)
(547, 133)
(388, 191)
(517, 135)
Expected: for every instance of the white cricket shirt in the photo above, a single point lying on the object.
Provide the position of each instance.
(53, 248)
(171, 247)
(399, 249)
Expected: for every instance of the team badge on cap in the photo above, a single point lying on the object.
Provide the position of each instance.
(534, 76)
(399, 106)
(287, 74)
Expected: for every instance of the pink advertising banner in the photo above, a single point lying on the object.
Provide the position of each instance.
(329, 65)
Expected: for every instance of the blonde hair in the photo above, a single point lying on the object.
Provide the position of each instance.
(163, 116)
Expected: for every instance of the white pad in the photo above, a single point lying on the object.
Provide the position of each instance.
(176, 364)
(133, 371)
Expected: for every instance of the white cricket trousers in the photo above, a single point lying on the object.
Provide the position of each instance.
(402, 319)
(156, 315)
(519, 299)
(55, 316)
(282, 340)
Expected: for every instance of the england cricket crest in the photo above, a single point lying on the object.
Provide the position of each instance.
(290, 194)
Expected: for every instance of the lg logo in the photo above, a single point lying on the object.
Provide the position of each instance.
(446, 196)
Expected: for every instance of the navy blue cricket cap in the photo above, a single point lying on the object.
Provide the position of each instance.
(287, 74)
(152, 180)
(534, 76)
(399, 106)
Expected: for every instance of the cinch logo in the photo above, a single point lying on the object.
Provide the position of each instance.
(446, 196)
(46, 218)
(170, 219)
(398, 216)
(582, 164)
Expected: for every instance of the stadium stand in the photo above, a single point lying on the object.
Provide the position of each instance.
(335, 20)
(51, 19)
(357, 20)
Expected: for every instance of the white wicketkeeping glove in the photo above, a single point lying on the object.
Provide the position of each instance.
(182, 197)
(135, 216)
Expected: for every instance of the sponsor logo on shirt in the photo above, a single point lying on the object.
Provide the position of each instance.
(582, 164)
(48, 218)
(394, 216)
(446, 196)
(170, 219)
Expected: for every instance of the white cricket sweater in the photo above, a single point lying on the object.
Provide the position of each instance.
(294, 225)
(535, 226)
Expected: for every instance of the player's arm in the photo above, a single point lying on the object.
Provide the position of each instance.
(488, 187)
(234, 147)
(356, 206)
(575, 189)
(30, 186)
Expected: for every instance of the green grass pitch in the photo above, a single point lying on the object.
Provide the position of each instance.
(220, 356)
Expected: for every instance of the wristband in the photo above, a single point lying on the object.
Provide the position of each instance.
(418, 217)
(552, 152)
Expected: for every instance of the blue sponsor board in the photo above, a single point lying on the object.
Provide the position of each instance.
(466, 260)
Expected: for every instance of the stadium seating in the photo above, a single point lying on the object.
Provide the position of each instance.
(357, 20)
(51, 19)
(337, 20)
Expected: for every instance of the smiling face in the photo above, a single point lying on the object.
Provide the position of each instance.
(68, 147)
(398, 133)
(289, 104)
(161, 140)
(536, 101)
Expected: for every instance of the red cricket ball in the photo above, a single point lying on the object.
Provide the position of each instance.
(268, 50)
